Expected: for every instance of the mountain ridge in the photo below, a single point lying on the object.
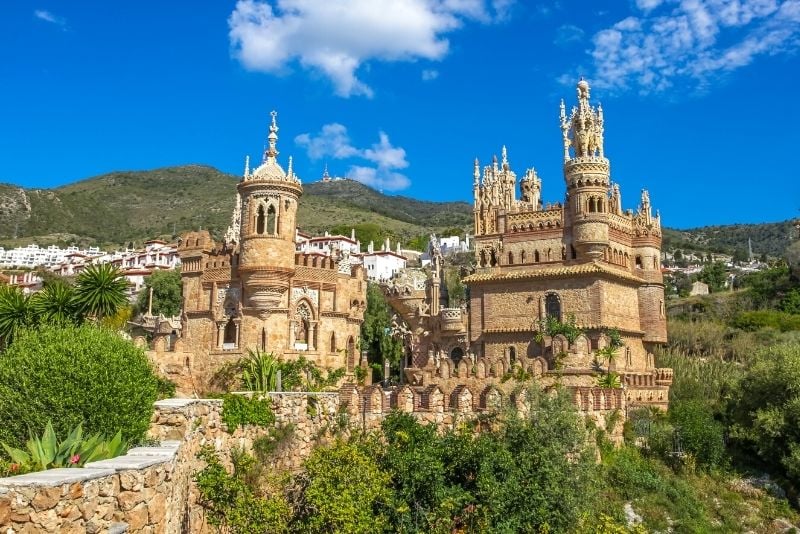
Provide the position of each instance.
(121, 207)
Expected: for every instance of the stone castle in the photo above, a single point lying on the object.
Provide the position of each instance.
(585, 261)
(254, 291)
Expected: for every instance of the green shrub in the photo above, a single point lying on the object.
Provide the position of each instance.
(346, 490)
(241, 410)
(700, 434)
(754, 320)
(74, 375)
(232, 505)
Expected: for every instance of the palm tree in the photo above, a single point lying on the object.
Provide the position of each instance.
(100, 291)
(15, 312)
(56, 304)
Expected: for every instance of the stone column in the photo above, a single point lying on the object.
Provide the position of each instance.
(292, 325)
(312, 330)
(220, 334)
(237, 323)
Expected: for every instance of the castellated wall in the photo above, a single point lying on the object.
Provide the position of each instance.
(151, 490)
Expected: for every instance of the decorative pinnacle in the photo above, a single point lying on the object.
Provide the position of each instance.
(289, 169)
(504, 154)
(272, 138)
(476, 171)
(246, 166)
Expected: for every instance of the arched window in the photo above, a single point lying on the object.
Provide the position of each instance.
(456, 354)
(511, 258)
(574, 253)
(638, 262)
(552, 306)
(493, 260)
(260, 220)
(271, 219)
(522, 257)
(483, 258)
(563, 252)
(263, 339)
(591, 205)
(536, 257)
(302, 327)
(333, 341)
(230, 333)
(549, 254)
(512, 355)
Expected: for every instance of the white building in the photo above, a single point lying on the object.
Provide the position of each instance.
(382, 264)
(33, 256)
(327, 244)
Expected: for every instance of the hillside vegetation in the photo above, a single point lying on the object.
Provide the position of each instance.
(122, 207)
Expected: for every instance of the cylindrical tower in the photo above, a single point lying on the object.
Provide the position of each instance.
(269, 201)
(587, 175)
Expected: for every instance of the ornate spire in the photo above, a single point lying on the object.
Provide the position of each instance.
(325, 176)
(476, 173)
(289, 171)
(585, 124)
(272, 138)
(246, 166)
(504, 155)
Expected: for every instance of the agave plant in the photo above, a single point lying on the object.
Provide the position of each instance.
(47, 452)
(15, 312)
(100, 291)
(260, 371)
(610, 381)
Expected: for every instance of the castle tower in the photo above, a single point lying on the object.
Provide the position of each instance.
(587, 175)
(269, 200)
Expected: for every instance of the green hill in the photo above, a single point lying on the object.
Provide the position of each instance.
(122, 207)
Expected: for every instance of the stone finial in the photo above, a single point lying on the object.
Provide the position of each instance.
(246, 166)
(476, 172)
(272, 138)
(585, 124)
(504, 155)
(289, 170)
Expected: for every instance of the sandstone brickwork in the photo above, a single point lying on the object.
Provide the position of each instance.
(252, 291)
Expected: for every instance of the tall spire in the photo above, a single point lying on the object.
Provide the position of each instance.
(585, 124)
(272, 138)
(476, 173)
(504, 154)
(289, 171)
(246, 166)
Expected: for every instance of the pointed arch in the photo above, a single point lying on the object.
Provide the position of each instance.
(272, 220)
(260, 220)
(351, 354)
(333, 342)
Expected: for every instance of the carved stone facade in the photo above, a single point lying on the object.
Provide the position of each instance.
(584, 258)
(254, 291)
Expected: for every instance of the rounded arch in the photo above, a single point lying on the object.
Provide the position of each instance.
(552, 305)
(272, 220)
(510, 258)
(261, 217)
(456, 354)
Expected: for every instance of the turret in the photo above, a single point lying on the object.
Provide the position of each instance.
(587, 175)
(269, 199)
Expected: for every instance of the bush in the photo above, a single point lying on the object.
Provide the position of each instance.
(240, 410)
(700, 434)
(755, 320)
(73, 375)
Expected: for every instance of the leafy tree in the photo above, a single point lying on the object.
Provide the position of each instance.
(740, 255)
(71, 375)
(166, 287)
(375, 330)
(16, 312)
(765, 411)
(700, 433)
(100, 290)
(347, 492)
(714, 275)
(419, 242)
(456, 291)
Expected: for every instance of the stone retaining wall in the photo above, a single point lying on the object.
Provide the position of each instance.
(150, 489)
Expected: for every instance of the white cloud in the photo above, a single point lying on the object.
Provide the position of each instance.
(48, 16)
(336, 38)
(687, 42)
(334, 142)
(430, 74)
(567, 34)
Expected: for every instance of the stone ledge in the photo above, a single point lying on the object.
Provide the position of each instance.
(176, 403)
(166, 452)
(123, 463)
(57, 477)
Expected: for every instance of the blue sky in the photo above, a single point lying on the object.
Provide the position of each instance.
(700, 96)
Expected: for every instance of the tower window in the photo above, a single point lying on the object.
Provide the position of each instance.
(552, 306)
(536, 257)
(271, 220)
(260, 220)
(638, 262)
(511, 258)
